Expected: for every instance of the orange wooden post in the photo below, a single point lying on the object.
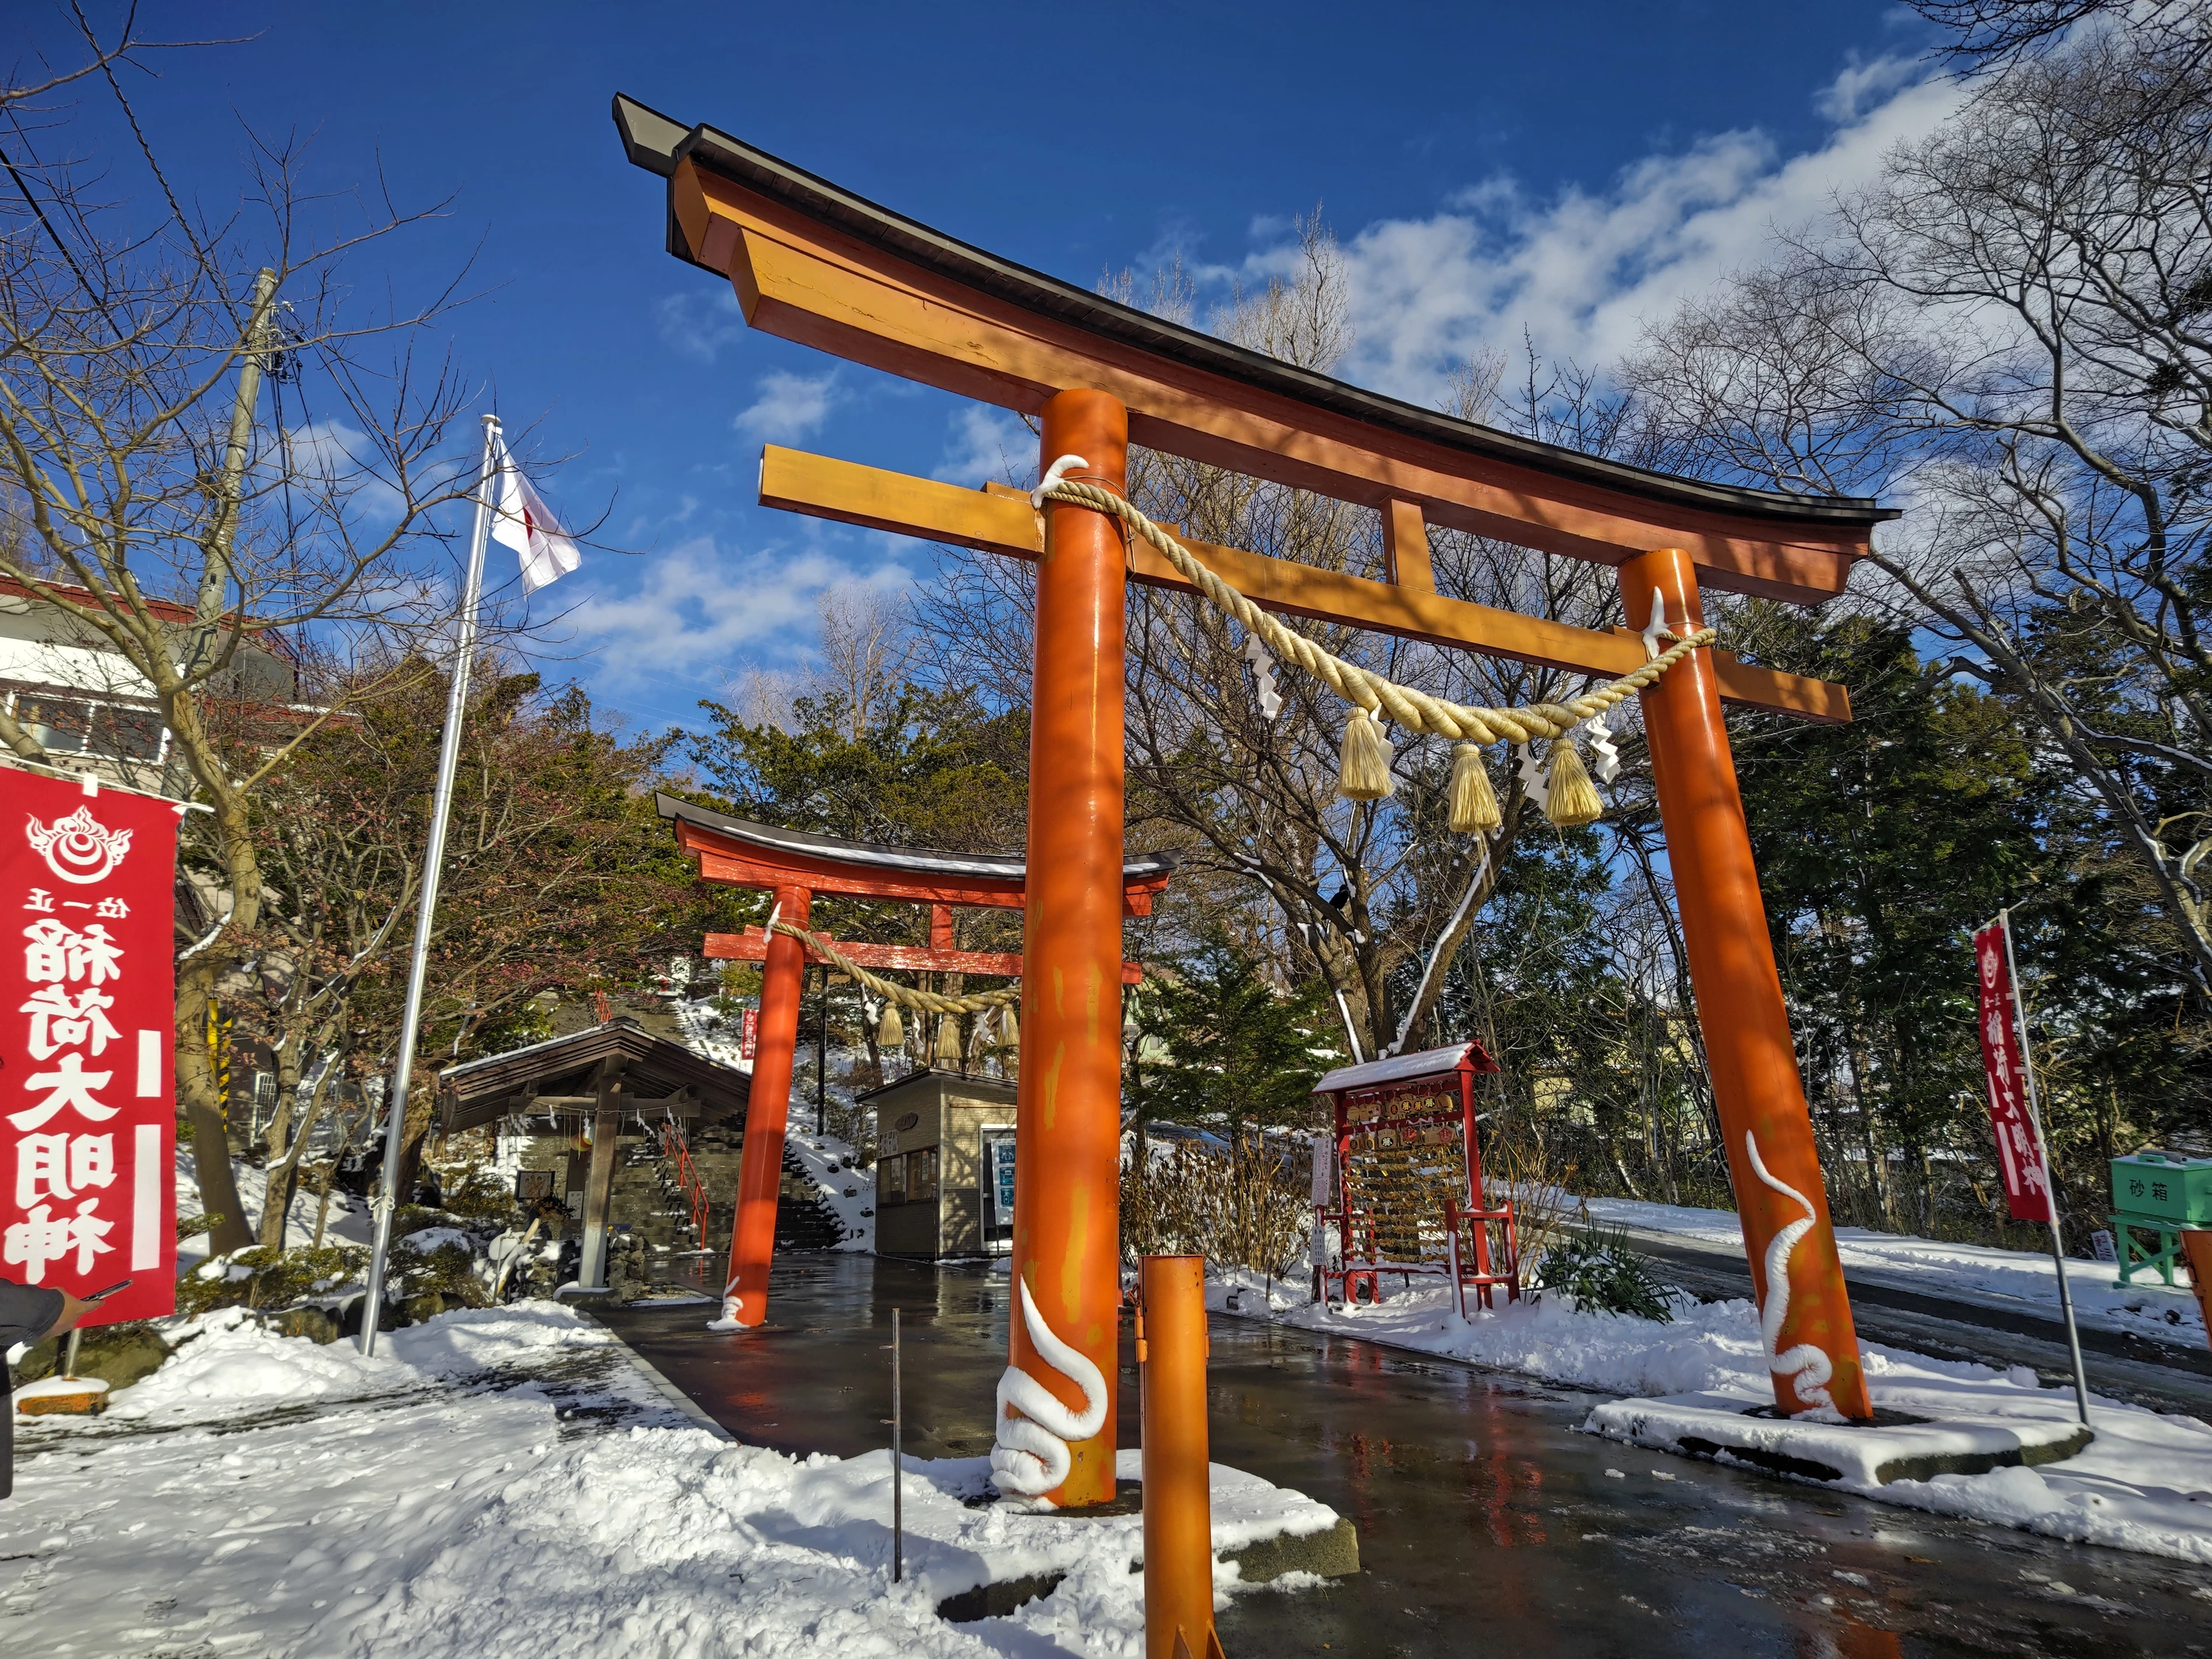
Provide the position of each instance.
(767, 1110)
(1813, 1351)
(2196, 1251)
(1171, 1351)
(1067, 1136)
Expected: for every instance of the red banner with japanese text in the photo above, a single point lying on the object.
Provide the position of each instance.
(2019, 1153)
(88, 1119)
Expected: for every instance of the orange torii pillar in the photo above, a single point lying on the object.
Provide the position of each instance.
(768, 1115)
(1773, 1162)
(1067, 1137)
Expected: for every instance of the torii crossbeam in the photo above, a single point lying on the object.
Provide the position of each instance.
(815, 264)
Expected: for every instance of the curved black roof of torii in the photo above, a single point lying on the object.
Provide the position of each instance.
(658, 143)
(921, 861)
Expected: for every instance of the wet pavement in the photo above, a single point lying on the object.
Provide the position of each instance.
(1488, 1524)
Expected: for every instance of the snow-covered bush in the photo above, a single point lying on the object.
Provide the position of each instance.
(1601, 1272)
(262, 1276)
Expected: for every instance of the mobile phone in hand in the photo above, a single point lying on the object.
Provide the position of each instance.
(101, 1296)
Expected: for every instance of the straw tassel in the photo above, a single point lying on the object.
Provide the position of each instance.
(1473, 803)
(948, 1041)
(1010, 1030)
(1364, 773)
(1572, 800)
(891, 1033)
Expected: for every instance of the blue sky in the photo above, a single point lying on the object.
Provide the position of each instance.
(1569, 169)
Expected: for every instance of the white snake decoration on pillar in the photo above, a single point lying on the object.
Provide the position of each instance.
(1806, 1366)
(1031, 1456)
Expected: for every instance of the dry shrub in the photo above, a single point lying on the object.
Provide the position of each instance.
(1539, 1180)
(1245, 1206)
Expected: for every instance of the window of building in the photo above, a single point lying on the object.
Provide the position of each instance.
(76, 726)
(890, 1181)
(921, 1173)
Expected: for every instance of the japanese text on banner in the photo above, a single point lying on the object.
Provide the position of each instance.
(2020, 1154)
(87, 1000)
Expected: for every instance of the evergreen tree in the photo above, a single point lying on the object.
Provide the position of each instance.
(1238, 1052)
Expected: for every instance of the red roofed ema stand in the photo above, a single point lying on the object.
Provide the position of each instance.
(1400, 1179)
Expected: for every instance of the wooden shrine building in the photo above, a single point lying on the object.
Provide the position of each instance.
(606, 1081)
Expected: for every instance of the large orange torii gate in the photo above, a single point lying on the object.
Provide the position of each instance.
(794, 867)
(815, 264)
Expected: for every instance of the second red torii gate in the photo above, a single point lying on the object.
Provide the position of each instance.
(793, 866)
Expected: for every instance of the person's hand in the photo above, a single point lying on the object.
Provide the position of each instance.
(72, 1310)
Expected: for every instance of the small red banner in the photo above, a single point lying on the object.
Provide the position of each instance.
(749, 1040)
(2020, 1154)
(88, 1119)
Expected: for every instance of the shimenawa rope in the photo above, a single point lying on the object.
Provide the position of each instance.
(897, 996)
(1364, 773)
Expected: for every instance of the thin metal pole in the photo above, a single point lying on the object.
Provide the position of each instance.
(2050, 1174)
(898, 1460)
(449, 757)
(821, 1057)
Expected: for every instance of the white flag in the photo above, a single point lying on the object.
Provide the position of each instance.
(520, 520)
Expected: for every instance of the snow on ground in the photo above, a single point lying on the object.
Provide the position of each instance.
(349, 1222)
(505, 1481)
(850, 1192)
(2018, 1280)
(2144, 1483)
(710, 1036)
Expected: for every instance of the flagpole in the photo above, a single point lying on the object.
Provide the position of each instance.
(2050, 1172)
(449, 756)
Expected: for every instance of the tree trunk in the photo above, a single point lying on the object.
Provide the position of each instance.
(195, 1088)
(284, 1177)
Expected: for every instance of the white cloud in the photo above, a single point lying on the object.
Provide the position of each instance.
(789, 406)
(1584, 271)
(1843, 99)
(987, 445)
(700, 321)
(701, 611)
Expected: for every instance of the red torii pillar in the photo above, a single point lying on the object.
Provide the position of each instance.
(1774, 1162)
(1067, 1136)
(767, 1115)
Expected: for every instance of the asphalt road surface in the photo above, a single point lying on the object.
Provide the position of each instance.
(2164, 1375)
(1488, 1524)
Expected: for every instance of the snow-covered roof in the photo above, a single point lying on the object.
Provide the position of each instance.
(1397, 1068)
